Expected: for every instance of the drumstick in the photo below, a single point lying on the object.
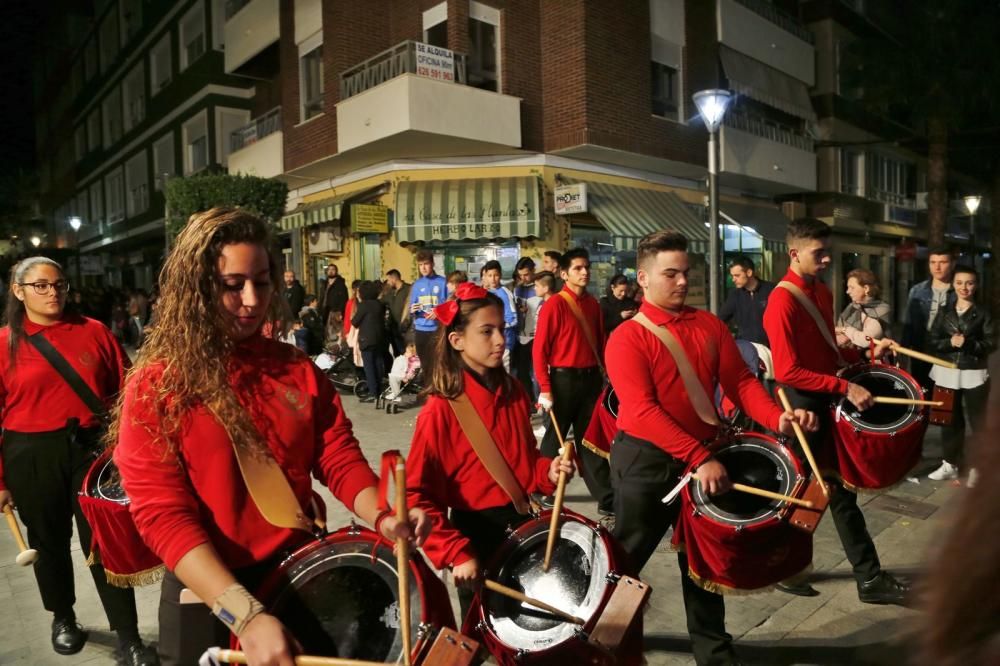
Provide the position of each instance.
(803, 443)
(567, 451)
(760, 492)
(523, 598)
(403, 561)
(216, 655)
(890, 400)
(25, 555)
(920, 356)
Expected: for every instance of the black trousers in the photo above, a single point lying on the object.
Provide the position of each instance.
(574, 394)
(374, 363)
(642, 474)
(523, 367)
(969, 410)
(44, 473)
(847, 516)
(425, 351)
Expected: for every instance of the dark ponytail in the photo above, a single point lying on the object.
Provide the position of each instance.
(14, 315)
(446, 377)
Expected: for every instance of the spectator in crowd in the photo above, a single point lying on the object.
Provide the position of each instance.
(456, 278)
(429, 291)
(527, 301)
(550, 263)
(866, 316)
(922, 305)
(138, 320)
(294, 293)
(746, 302)
(313, 323)
(491, 276)
(545, 287)
(368, 318)
(352, 303)
(333, 294)
(397, 300)
(616, 306)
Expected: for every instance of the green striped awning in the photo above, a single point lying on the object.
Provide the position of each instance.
(767, 222)
(317, 212)
(469, 209)
(630, 213)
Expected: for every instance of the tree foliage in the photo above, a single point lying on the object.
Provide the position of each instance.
(194, 194)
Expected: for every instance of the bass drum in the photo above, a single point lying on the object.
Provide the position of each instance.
(876, 448)
(339, 597)
(736, 541)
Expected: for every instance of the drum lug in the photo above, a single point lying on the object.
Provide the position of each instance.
(520, 654)
(738, 529)
(353, 528)
(856, 430)
(612, 578)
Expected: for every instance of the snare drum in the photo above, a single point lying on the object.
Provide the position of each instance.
(339, 596)
(583, 580)
(876, 448)
(116, 543)
(737, 541)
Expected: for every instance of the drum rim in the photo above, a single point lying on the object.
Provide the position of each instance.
(911, 416)
(94, 489)
(597, 594)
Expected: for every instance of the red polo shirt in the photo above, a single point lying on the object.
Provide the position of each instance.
(653, 403)
(559, 339)
(802, 357)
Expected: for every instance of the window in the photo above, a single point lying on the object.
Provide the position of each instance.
(134, 93)
(161, 66)
(96, 207)
(436, 25)
(131, 19)
(484, 47)
(163, 160)
(665, 90)
(136, 185)
(82, 206)
(195, 137)
(192, 35)
(94, 130)
(887, 179)
(109, 39)
(227, 121)
(311, 76)
(114, 196)
(80, 141)
(851, 169)
(111, 111)
(90, 59)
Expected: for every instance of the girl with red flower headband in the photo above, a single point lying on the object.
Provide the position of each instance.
(443, 470)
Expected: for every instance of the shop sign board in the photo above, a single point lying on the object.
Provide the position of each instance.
(906, 251)
(435, 62)
(368, 219)
(571, 199)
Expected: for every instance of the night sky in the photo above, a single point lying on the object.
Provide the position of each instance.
(17, 44)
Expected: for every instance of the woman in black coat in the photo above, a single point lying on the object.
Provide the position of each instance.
(616, 306)
(369, 319)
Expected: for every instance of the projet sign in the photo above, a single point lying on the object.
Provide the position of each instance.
(571, 199)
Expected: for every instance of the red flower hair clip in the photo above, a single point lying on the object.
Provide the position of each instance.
(467, 291)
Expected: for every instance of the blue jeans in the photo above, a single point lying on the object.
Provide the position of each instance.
(374, 363)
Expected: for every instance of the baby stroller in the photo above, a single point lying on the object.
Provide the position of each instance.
(337, 363)
(409, 391)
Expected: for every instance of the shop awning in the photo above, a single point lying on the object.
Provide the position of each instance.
(327, 210)
(766, 221)
(630, 213)
(766, 84)
(469, 209)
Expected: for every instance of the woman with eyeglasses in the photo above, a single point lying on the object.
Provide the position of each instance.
(50, 438)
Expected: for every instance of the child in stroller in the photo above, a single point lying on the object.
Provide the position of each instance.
(402, 377)
(337, 361)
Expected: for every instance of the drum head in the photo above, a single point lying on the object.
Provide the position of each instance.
(753, 461)
(339, 602)
(611, 402)
(106, 484)
(575, 583)
(882, 381)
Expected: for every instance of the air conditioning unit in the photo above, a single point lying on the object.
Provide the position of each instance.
(921, 201)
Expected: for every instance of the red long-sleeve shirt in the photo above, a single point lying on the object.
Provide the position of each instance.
(653, 403)
(197, 495)
(443, 471)
(560, 341)
(35, 398)
(801, 355)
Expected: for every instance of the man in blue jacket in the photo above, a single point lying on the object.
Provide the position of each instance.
(429, 291)
(925, 300)
(491, 276)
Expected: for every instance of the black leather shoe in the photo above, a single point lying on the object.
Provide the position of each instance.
(798, 589)
(67, 636)
(883, 589)
(137, 654)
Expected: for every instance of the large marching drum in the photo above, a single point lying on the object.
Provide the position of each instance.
(738, 541)
(584, 579)
(877, 447)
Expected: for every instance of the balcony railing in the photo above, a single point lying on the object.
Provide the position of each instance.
(893, 198)
(779, 18)
(257, 129)
(387, 65)
(768, 129)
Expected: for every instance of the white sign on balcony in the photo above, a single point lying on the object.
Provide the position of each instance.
(435, 62)
(571, 199)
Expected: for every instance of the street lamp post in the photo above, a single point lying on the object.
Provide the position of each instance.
(75, 222)
(972, 205)
(712, 105)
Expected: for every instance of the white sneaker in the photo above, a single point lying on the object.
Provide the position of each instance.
(943, 473)
(973, 478)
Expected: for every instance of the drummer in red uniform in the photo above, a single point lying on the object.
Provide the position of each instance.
(806, 365)
(443, 470)
(206, 382)
(660, 435)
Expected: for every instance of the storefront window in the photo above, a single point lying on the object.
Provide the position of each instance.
(470, 258)
(604, 261)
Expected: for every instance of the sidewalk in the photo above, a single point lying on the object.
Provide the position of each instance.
(770, 628)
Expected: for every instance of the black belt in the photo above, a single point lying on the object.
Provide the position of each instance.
(592, 370)
(622, 436)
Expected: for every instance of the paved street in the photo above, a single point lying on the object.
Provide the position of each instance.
(770, 628)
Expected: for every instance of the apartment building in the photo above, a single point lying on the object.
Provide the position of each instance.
(454, 124)
(133, 94)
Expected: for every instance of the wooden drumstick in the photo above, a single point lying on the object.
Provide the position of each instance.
(25, 555)
(920, 356)
(891, 400)
(567, 452)
(217, 655)
(523, 598)
(760, 492)
(403, 561)
(803, 443)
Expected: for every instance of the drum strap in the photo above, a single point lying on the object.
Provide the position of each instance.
(487, 452)
(696, 391)
(588, 332)
(814, 312)
(270, 491)
(72, 377)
